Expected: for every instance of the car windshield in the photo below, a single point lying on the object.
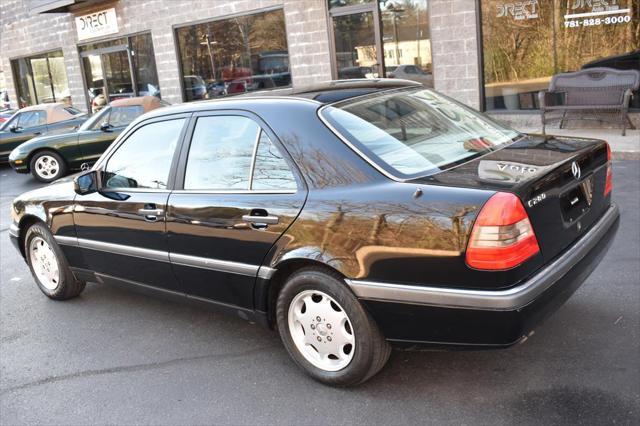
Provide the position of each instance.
(415, 132)
(96, 119)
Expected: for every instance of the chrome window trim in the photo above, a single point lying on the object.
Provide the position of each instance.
(231, 191)
(137, 189)
(176, 258)
(253, 157)
(508, 299)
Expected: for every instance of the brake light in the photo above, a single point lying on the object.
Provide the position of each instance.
(608, 186)
(502, 235)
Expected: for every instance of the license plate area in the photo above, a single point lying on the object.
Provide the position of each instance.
(575, 202)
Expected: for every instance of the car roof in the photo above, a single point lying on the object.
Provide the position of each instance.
(147, 103)
(339, 90)
(321, 94)
(55, 111)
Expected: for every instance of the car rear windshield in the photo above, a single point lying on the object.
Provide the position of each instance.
(415, 132)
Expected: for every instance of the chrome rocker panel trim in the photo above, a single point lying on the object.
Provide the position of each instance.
(175, 258)
(509, 299)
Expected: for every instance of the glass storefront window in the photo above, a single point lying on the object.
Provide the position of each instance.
(119, 68)
(236, 55)
(525, 42)
(41, 79)
(383, 38)
(406, 41)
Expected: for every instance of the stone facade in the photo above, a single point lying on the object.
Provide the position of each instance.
(454, 44)
(24, 34)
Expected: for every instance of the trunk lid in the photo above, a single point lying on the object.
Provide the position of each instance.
(559, 180)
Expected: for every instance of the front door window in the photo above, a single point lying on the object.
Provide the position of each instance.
(135, 165)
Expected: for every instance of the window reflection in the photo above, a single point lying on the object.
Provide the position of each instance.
(232, 56)
(108, 75)
(220, 153)
(526, 42)
(135, 165)
(41, 79)
(406, 41)
(271, 170)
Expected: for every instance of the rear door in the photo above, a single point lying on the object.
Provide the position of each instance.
(122, 229)
(236, 192)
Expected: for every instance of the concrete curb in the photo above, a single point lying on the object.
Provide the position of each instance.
(626, 155)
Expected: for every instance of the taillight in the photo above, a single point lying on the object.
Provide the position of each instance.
(502, 236)
(608, 186)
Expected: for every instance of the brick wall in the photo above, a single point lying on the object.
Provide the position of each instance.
(455, 49)
(23, 34)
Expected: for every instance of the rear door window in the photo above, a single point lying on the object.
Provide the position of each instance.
(234, 153)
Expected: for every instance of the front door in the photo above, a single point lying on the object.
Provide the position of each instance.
(122, 229)
(239, 194)
(356, 42)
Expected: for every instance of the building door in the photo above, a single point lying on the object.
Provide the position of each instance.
(357, 51)
(386, 38)
(121, 68)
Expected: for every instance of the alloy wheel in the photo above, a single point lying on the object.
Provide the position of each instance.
(44, 263)
(321, 330)
(47, 167)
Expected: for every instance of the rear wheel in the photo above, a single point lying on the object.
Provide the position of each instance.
(47, 166)
(327, 331)
(48, 265)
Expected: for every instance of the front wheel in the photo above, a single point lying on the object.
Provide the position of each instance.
(47, 166)
(48, 264)
(327, 331)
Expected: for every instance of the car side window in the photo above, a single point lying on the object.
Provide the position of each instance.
(220, 153)
(223, 151)
(32, 119)
(271, 170)
(144, 159)
(122, 116)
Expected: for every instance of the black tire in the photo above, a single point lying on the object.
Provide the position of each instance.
(371, 349)
(60, 170)
(67, 285)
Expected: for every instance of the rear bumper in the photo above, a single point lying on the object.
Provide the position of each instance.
(486, 317)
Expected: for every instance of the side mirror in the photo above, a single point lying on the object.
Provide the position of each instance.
(15, 128)
(105, 127)
(88, 182)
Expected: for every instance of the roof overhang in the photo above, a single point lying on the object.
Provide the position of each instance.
(60, 6)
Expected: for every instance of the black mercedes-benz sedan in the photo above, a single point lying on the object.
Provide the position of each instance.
(347, 216)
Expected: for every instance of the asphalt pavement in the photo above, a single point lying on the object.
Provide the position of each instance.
(112, 356)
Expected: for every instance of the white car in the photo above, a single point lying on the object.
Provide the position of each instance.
(413, 73)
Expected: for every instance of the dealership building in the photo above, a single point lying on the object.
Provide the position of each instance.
(494, 55)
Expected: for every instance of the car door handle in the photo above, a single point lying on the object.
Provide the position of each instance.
(266, 220)
(151, 215)
(37, 133)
